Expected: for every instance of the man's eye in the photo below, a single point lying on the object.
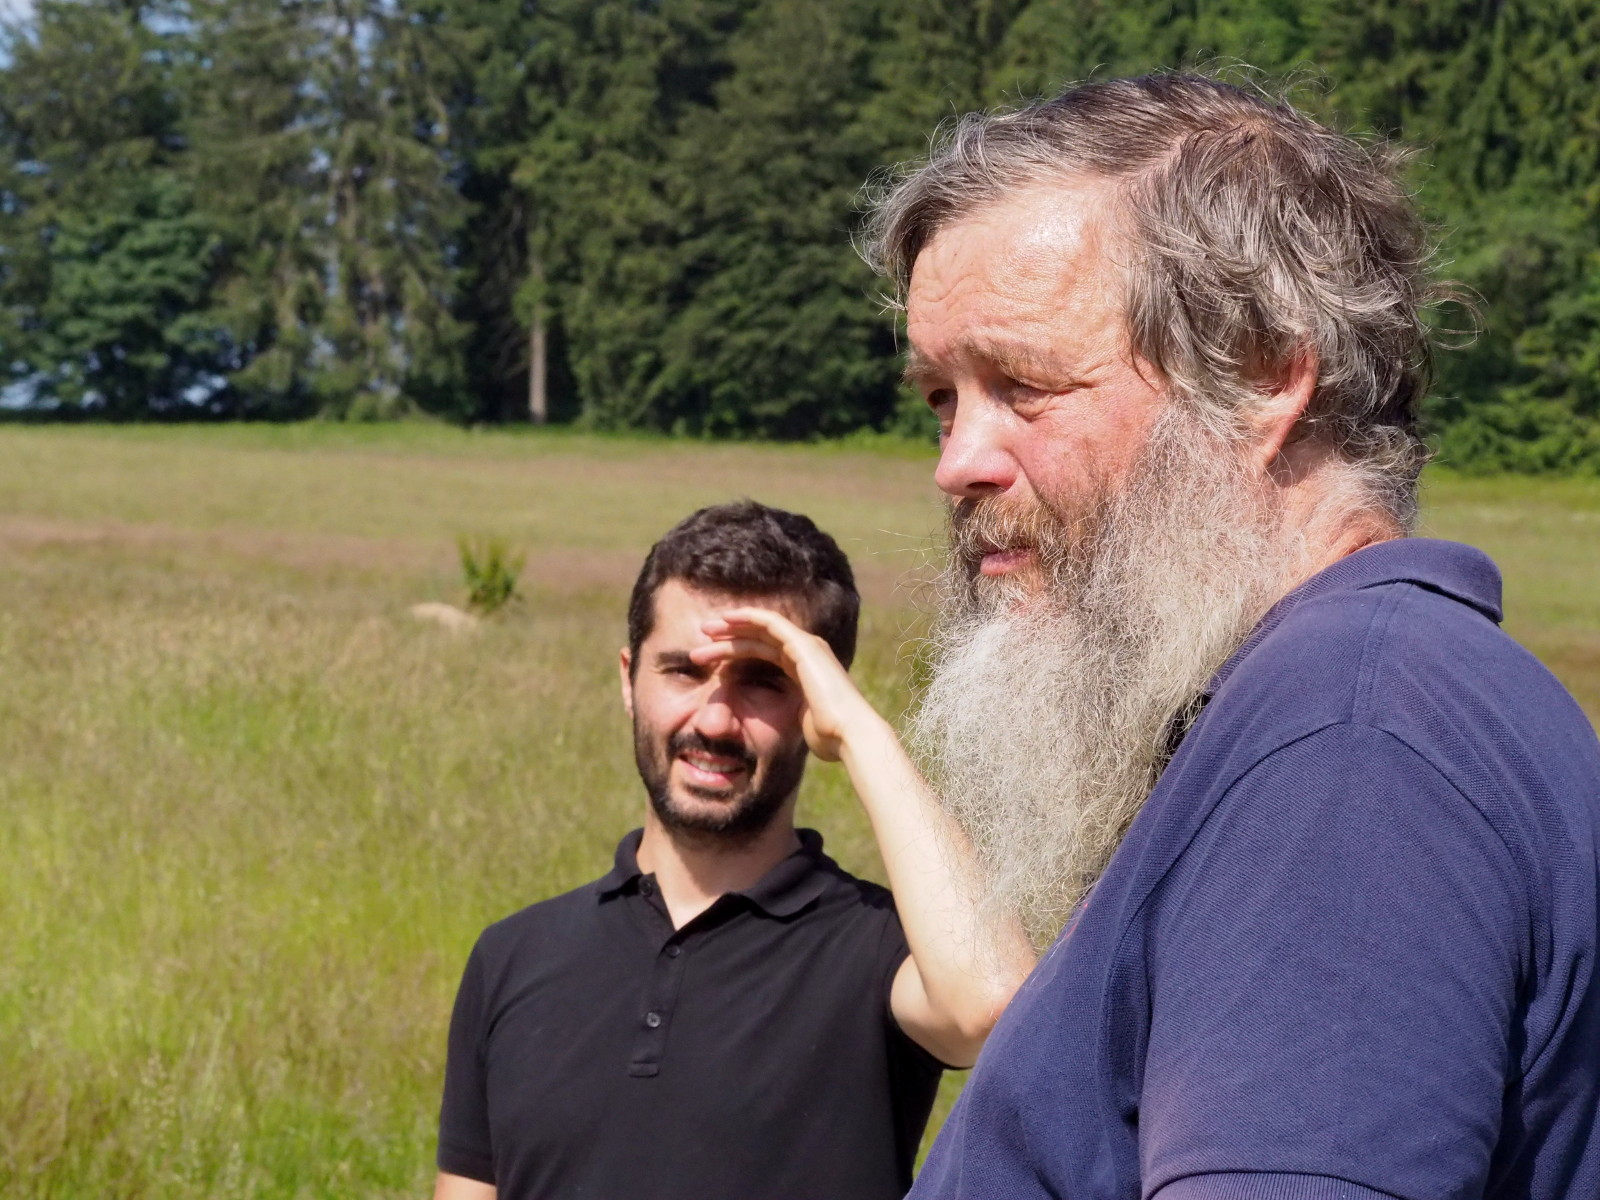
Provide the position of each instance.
(1026, 396)
(941, 398)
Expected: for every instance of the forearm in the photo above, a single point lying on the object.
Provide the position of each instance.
(459, 1187)
(965, 962)
(970, 960)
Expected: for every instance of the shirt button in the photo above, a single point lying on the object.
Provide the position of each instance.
(674, 950)
(647, 887)
(653, 1019)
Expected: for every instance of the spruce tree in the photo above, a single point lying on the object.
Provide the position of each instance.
(321, 145)
(776, 330)
(108, 268)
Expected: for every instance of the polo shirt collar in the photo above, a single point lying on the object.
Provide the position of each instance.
(624, 866)
(781, 892)
(1464, 573)
(793, 883)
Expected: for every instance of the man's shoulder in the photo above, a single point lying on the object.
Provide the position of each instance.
(1391, 653)
(853, 894)
(854, 916)
(1432, 670)
(557, 917)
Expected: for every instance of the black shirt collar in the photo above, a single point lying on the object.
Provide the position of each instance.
(624, 866)
(1463, 573)
(781, 892)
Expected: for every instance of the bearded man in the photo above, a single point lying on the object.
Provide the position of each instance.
(1323, 838)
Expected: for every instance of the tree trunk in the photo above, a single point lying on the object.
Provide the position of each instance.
(538, 370)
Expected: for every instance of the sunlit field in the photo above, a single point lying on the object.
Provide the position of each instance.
(254, 813)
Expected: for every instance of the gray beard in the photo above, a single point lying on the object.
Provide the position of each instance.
(1051, 702)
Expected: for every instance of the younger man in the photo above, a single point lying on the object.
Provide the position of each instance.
(727, 1013)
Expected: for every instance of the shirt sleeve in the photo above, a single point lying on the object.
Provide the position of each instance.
(893, 950)
(464, 1143)
(1333, 980)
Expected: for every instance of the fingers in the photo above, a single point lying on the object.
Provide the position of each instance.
(730, 647)
(764, 619)
(765, 625)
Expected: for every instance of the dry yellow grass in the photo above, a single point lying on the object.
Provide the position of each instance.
(255, 813)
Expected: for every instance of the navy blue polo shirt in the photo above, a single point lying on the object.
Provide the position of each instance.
(1348, 948)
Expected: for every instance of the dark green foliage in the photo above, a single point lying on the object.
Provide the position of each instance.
(125, 320)
(767, 172)
(361, 208)
(1505, 99)
(320, 133)
(106, 268)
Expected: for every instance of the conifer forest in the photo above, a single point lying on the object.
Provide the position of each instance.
(638, 214)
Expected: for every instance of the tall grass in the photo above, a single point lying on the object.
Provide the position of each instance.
(254, 814)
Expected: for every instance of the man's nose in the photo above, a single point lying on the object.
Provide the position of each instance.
(715, 719)
(973, 457)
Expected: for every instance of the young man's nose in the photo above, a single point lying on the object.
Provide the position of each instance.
(716, 718)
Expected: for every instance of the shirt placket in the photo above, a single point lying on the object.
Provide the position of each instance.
(660, 994)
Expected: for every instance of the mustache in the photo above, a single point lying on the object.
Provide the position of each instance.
(981, 525)
(686, 740)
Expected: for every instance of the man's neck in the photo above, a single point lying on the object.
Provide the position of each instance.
(1331, 526)
(694, 870)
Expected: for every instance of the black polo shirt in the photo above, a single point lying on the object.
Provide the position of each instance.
(598, 1054)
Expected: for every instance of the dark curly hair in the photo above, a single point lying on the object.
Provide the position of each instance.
(748, 549)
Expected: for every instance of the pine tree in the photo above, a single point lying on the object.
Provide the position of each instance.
(514, 360)
(108, 267)
(1505, 100)
(255, 133)
(608, 223)
(321, 145)
(775, 330)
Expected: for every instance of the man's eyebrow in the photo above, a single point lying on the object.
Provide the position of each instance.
(918, 367)
(674, 658)
(1012, 357)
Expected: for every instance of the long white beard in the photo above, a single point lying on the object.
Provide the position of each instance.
(1050, 709)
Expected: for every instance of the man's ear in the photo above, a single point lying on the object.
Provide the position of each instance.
(625, 665)
(1283, 402)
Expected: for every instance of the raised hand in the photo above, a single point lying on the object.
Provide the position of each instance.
(964, 963)
(834, 706)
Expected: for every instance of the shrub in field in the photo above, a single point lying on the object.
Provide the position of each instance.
(491, 569)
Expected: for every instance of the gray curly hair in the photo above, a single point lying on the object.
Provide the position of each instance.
(1255, 234)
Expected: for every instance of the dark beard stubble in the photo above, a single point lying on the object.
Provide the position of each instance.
(741, 818)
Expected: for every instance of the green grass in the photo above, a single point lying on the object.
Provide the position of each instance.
(255, 814)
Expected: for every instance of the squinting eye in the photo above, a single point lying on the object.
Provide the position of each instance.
(940, 397)
(1025, 397)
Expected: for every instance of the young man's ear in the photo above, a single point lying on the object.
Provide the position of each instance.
(624, 665)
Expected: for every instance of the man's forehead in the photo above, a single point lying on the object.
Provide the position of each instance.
(1036, 226)
(680, 607)
(991, 284)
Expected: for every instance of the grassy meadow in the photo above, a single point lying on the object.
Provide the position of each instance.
(254, 814)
